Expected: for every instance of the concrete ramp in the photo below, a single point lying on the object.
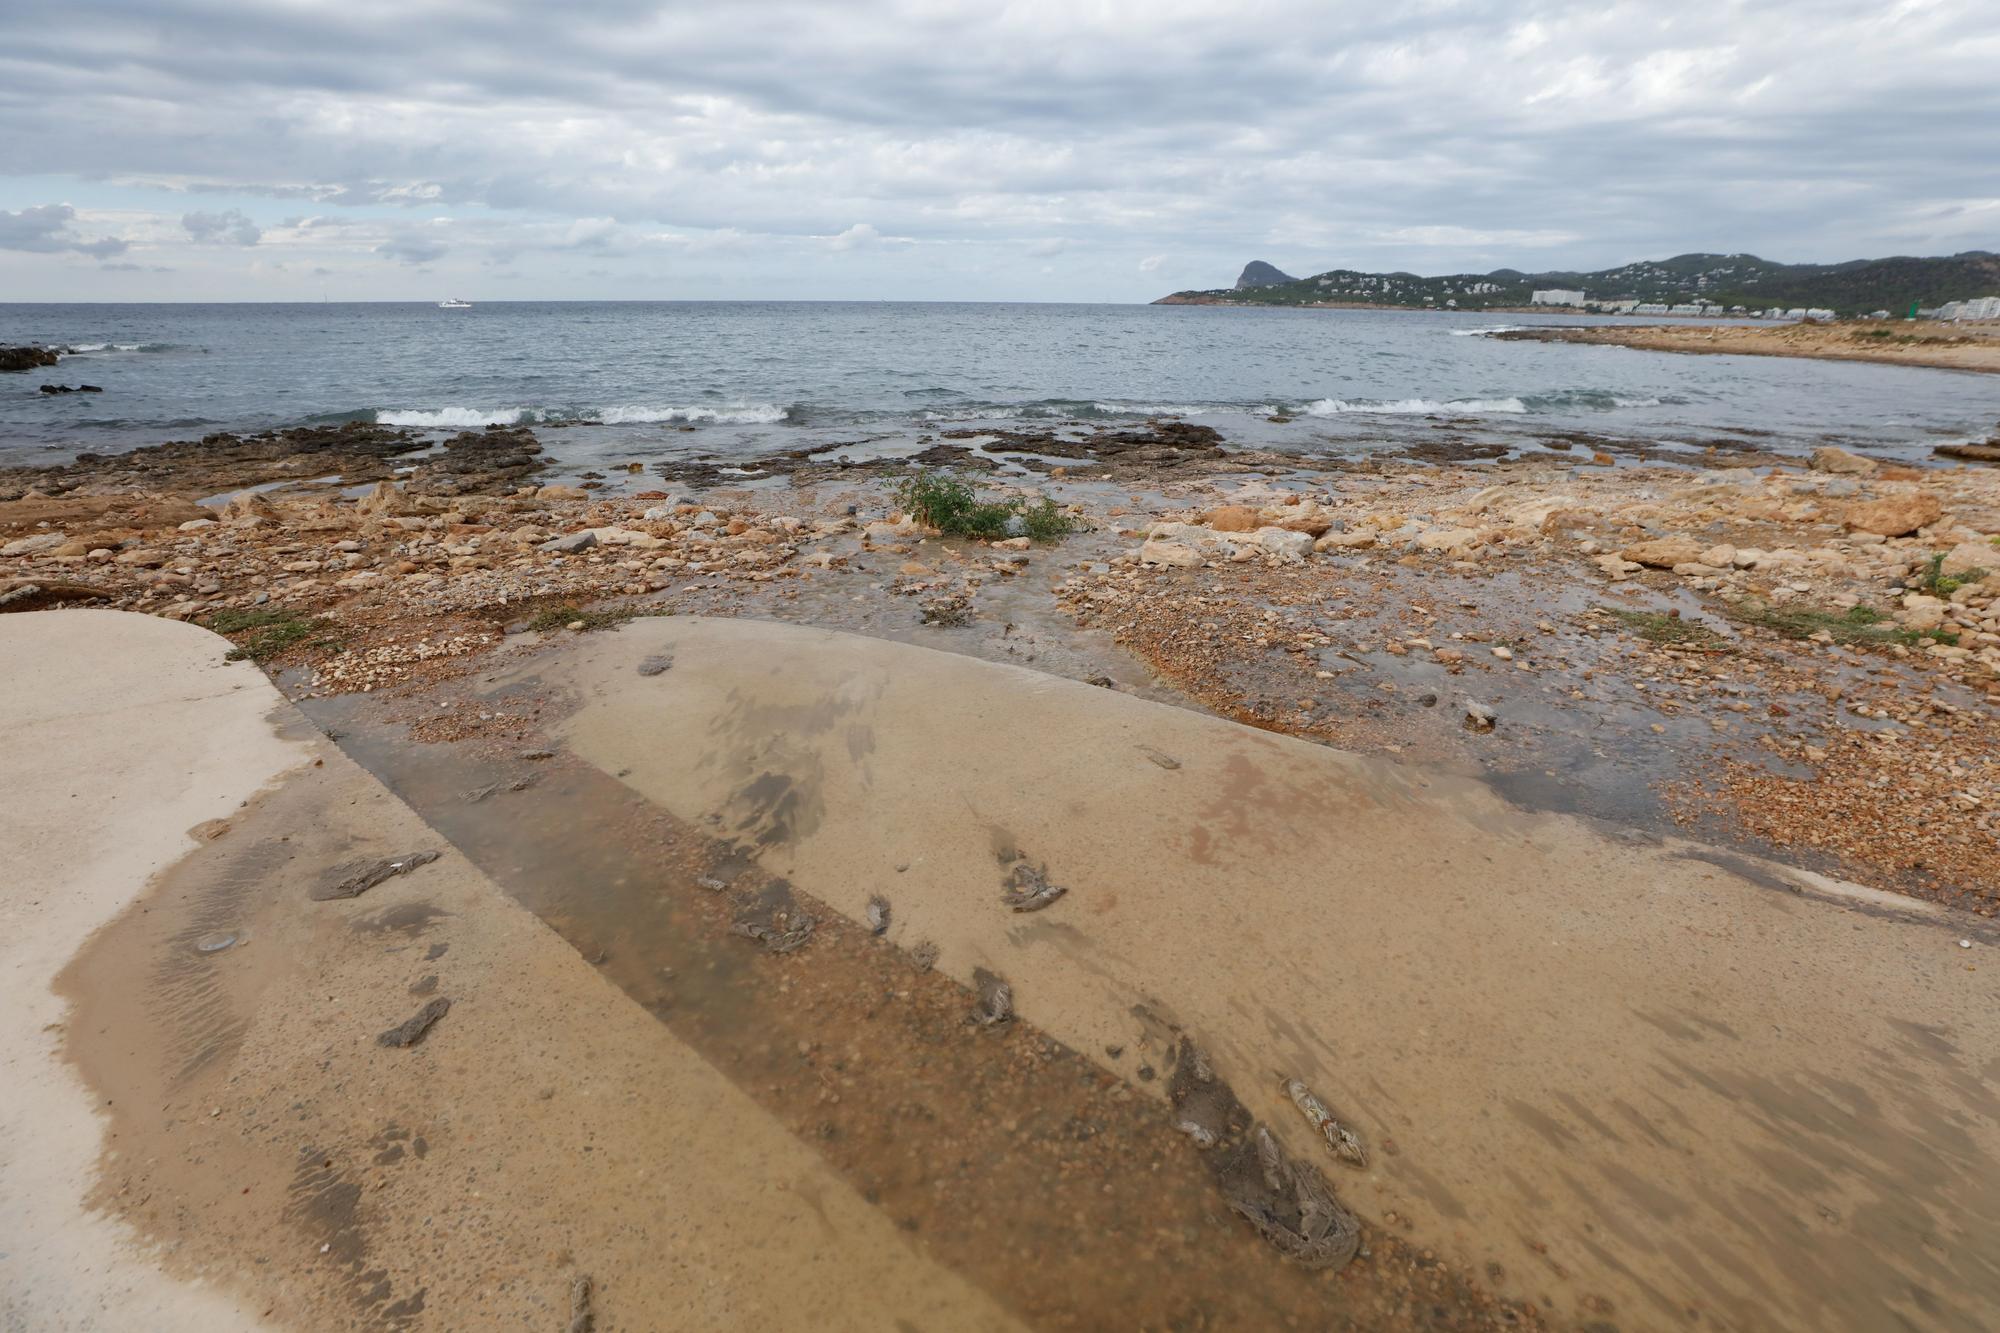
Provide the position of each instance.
(1624, 1078)
(210, 1134)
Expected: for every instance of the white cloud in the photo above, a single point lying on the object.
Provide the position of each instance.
(724, 147)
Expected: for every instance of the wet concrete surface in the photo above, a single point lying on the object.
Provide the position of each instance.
(1009, 1156)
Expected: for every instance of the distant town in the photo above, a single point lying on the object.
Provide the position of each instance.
(1957, 287)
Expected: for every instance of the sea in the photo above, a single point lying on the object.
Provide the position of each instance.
(616, 381)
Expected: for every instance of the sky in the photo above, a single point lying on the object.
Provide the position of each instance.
(1091, 150)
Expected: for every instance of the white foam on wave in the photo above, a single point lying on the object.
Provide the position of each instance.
(1481, 333)
(729, 414)
(1616, 401)
(1334, 407)
(631, 414)
(1153, 409)
(452, 418)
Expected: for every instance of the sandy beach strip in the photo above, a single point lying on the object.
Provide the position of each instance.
(1890, 342)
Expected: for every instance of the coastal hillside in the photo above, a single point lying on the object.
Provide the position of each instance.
(1857, 287)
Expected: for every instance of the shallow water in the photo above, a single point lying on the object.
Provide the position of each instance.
(649, 380)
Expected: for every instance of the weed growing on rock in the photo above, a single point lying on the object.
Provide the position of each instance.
(954, 508)
(1858, 626)
(270, 632)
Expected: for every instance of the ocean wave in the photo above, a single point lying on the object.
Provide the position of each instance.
(1481, 333)
(452, 418)
(731, 414)
(81, 349)
(631, 414)
(1333, 407)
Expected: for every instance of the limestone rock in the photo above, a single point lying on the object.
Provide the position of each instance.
(1664, 552)
(1895, 515)
(1827, 458)
(1965, 557)
(1232, 518)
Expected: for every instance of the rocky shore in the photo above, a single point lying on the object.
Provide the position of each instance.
(1743, 700)
(1764, 649)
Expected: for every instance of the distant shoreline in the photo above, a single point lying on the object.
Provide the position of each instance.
(1973, 347)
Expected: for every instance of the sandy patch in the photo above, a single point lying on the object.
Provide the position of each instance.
(1640, 1077)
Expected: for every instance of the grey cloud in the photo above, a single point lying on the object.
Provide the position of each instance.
(45, 229)
(231, 228)
(1448, 134)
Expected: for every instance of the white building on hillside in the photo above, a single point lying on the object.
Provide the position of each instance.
(1983, 307)
(1558, 296)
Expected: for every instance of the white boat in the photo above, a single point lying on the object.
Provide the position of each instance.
(453, 303)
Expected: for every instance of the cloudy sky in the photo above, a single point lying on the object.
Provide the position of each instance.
(1073, 149)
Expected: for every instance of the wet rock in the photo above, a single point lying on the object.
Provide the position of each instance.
(1894, 516)
(776, 923)
(1970, 453)
(1344, 1142)
(27, 358)
(1288, 1203)
(1828, 458)
(1028, 889)
(996, 999)
(356, 878)
(581, 1318)
(69, 388)
(412, 1029)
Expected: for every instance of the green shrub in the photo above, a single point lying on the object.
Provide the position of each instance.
(954, 508)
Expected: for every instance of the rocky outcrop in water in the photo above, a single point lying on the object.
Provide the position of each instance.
(26, 358)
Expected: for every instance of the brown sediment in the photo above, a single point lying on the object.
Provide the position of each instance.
(263, 1140)
(1945, 346)
(1548, 1028)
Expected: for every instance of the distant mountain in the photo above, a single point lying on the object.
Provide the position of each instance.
(1257, 273)
(1857, 287)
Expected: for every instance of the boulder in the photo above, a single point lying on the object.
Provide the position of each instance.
(1232, 518)
(1965, 557)
(1344, 541)
(1827, 458)
(26, 358)
(1664, 552)
(35, 545)
(1895, 515)
(571, 543)
(1157, 552)
(1285, 543)
(1458, 543)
